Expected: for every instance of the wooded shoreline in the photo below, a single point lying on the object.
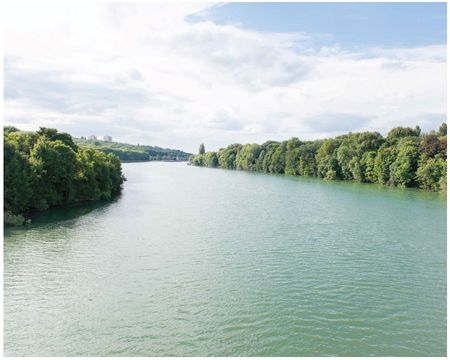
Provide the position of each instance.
(46, 169)
(405, 158)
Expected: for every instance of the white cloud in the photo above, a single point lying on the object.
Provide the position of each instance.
(141, 73)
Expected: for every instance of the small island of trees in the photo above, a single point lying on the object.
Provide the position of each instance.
(46, 168)
(405, 158)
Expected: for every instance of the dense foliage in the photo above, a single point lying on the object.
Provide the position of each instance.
(404, 158)
(46, 168)
(128, 152)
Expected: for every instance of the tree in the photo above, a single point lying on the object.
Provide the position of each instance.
(278, 159)
(85, 177)
(351, 150)
(247, 157)
(403, 169)
(201, 149)
(382, 164)
(400, 132)
(227, 156)
(197, 160)
(328, 168)
(443, 130)
(210, 159)
(368, 167)
(432, 173)
(265, 157)
(346, 158)
(307, 164)
(54, 163)
(430, 145)
(53, 135)
(327, 162)
(292, 157)
(292, 160)
(443, 146)
(9, 129)
(24, 140)
(16, 178)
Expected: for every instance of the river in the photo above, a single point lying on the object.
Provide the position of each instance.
(202, 262)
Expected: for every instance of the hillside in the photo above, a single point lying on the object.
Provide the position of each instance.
(129, 152)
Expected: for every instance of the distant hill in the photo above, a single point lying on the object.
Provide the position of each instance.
(129, 152)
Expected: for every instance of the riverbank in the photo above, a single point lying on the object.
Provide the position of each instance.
(405, 158)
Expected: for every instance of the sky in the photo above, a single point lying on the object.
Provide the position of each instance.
(179, 74)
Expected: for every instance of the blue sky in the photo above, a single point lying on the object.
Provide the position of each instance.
(180, 74)
(349, 24)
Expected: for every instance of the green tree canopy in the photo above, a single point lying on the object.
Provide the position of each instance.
(406, 157)
(46, 168)
(401, 132)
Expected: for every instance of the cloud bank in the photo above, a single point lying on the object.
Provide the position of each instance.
(143, 74)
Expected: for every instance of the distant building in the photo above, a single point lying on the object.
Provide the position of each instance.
(107, 138)
(92, 137)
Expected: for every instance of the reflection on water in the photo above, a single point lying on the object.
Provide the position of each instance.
(68, 214)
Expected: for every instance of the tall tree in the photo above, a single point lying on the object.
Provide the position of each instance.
(201, 149)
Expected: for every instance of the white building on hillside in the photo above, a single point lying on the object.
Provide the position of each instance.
(92, 137)
(107, 138)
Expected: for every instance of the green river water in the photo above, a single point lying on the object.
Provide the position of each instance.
(202, 262)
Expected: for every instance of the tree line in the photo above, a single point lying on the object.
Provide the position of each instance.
(405, 157)
(46, 168)
(129, 152)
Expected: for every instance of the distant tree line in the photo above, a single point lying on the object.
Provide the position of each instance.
(405, 158)
(128, 152)
(46, 168)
